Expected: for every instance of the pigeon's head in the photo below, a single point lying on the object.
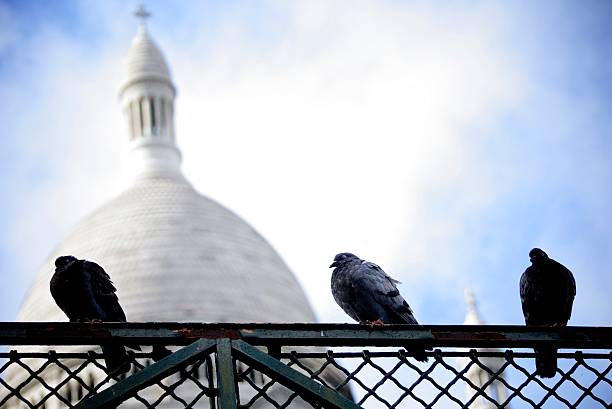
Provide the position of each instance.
(343, 258)
(537, 255)
(64, 261)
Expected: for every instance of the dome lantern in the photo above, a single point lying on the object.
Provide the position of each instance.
(147, 97)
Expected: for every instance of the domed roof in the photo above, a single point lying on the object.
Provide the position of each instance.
(145, 60)
(176, 255)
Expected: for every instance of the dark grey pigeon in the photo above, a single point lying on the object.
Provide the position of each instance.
(84, 291)
(547, 294)
(368, 295)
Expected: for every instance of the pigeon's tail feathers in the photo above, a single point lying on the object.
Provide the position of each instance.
(419, 354)
(409, 319)
(401, 314)
(116, 358)
(546, 362)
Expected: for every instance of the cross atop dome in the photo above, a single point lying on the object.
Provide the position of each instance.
(142, 14)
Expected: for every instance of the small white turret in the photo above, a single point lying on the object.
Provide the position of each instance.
(476, 374)
(147, 98)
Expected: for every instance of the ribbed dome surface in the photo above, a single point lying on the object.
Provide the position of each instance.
(145, 60)
(176, 255)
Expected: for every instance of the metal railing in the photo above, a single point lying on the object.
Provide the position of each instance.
(58, 365)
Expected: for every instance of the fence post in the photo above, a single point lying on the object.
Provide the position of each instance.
(225, 375)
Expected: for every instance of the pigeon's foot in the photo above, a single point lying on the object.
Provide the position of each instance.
(377, 323)
(94, 321)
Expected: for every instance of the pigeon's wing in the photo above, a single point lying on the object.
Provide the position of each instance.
(60, 291)
(56, 290)
(571, 293)
(379, 271)
(526, 289)
(344, 293)
(371, 282)
(104, 292)
(569, 285)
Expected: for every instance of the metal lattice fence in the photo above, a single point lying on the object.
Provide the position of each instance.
(52, 365)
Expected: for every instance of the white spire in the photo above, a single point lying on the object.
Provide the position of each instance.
(472, 317)
(476, 374)
(147, 97)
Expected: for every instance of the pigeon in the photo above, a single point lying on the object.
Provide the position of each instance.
(547, 293)
(368, 295)
(85, 292)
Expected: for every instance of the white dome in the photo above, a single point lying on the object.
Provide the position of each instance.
(176, 255)
(145, 61)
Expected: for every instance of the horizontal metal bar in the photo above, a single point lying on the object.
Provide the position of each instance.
(445, 354)
(78, 333)
(330, 335)
(322, 355)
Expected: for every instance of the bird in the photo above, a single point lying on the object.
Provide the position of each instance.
(547, 290)
(85, 292)
(369, 295)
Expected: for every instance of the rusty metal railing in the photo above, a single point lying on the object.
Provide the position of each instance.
(58, 365)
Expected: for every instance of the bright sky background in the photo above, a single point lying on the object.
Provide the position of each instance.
(441, 141)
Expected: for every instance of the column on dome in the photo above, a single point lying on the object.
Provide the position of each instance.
(146, 116)
(157, 111)
(162, 114)
(134, 119)
(170, 111)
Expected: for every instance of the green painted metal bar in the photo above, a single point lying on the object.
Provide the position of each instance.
(361, 336)
(471, 336)
(308, 389)
(79, 333)
(129, 386)
(225, 375)
(330, 335)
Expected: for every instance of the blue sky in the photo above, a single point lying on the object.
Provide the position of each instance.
(441, 141)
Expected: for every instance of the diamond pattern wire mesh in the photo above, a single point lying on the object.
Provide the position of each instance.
(372, 376)
(375, 379)
(61, 380)
(392, 379)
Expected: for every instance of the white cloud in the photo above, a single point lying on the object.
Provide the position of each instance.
(325, 137)
(329, 128)
(333, 141)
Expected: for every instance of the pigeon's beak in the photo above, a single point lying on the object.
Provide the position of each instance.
(65, 266)
(334, 264)
(532, 259)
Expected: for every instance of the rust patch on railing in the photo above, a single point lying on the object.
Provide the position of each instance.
(197, 333)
